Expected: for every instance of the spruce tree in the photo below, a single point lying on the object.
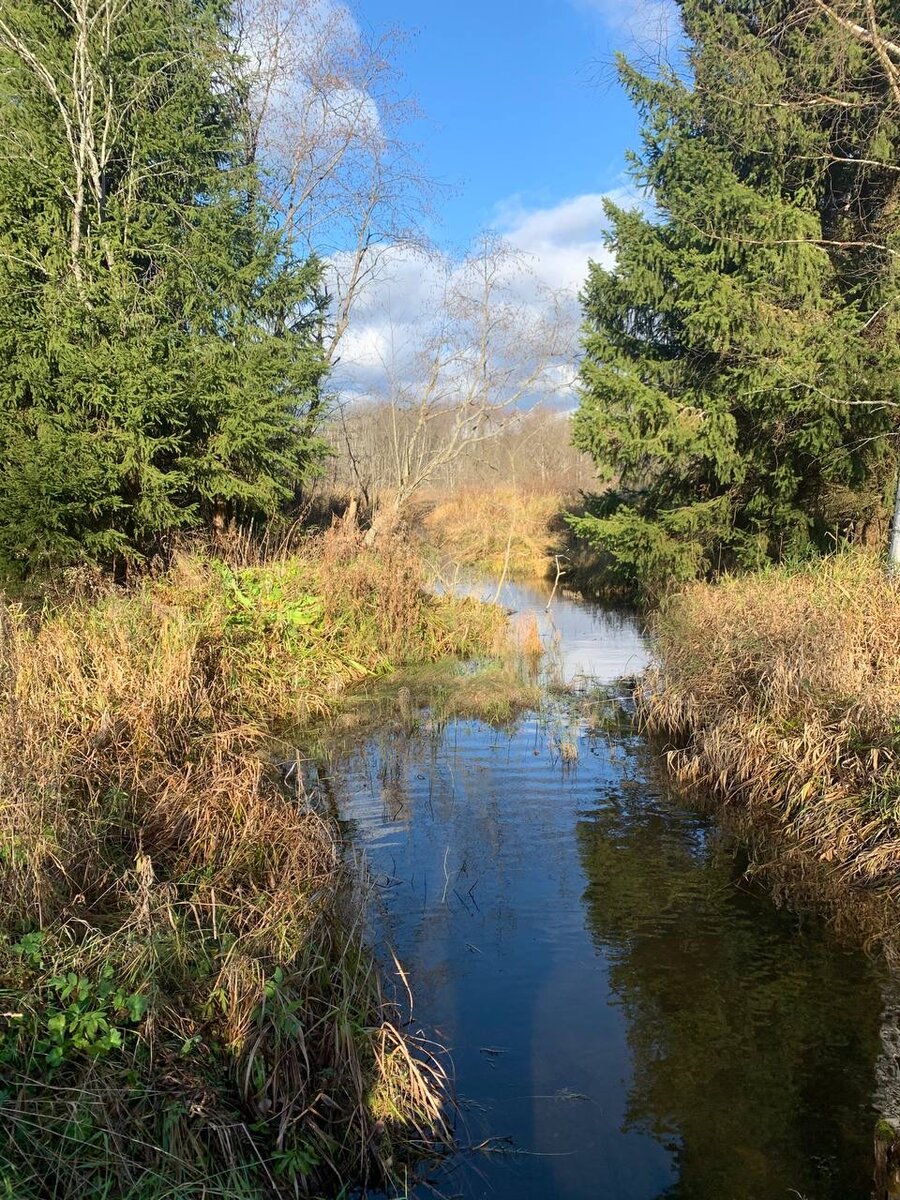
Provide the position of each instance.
(741, 358)
(158, 356)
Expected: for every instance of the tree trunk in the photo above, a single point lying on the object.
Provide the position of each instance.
(218, 518)
(384, 525)
(894, 555)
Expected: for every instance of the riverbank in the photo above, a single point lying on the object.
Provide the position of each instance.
(188, 1003)
(780, 693)
(712, 1043)
(503, 532)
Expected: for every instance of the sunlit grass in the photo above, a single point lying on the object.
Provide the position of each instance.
(189, 1005)
(499, 531)
(781, 691)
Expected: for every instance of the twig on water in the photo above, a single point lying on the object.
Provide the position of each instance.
(559, 574)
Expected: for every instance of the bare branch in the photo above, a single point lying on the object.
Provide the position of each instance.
(870, 35)
(327, 133)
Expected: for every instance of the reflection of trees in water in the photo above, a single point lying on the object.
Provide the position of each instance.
(754, 1039)
(387, 762)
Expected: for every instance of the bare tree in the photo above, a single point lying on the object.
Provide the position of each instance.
(327, 134)
(325, 129)
(491, 343)
(532, 452)
(861, 22)
(91, 112)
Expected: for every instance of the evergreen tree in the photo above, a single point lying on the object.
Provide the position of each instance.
(158, 357)
(741, 356)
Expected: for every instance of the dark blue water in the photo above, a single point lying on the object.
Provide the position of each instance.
(627, 1016)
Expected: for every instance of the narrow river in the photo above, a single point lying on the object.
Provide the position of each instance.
(628, 1017)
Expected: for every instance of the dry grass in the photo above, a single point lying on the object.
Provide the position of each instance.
(187, 1006)
(501, 531)
(781, 692)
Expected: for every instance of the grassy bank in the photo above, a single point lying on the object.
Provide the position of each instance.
(188, 1007)
(496, 531)
(781, 694)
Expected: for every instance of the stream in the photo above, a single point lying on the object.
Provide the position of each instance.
(628, 1016)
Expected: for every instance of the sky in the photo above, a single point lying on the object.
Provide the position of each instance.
(521, 112)
(525, 129)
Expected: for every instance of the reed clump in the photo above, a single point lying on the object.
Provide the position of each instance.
(187, 1004)
(423, 698)
(503, 530)
(780, 692)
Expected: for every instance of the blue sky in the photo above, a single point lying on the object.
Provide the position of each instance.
(526, 125)
(518, 100)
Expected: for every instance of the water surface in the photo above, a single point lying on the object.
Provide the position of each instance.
(628, 1017)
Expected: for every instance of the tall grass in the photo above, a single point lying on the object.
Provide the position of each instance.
(781, 694)
(187, 1005)
(503, 530)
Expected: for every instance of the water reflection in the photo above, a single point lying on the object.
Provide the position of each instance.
(587, 642)
(753, 1036)
(627, 1018)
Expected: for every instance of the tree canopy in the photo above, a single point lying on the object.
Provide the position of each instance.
(740, 376)
(159, 361)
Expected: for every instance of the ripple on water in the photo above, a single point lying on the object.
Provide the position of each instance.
(621, 1005)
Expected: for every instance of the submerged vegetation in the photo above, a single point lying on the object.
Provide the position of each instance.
(495, 691)
(780, 693)
(188, 1004)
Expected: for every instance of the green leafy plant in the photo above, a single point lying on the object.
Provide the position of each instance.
(71, 1015)
(258, 604)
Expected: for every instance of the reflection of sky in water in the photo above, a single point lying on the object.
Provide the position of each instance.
(587, 640)
(635, 1020)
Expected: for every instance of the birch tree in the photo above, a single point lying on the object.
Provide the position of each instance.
(328, 134)
(492, 341)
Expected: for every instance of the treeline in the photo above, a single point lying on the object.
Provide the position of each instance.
(377, 446)
(741, 378)
(192, 198)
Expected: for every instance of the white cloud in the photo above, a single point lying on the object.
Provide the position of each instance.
(560, 240)
(651, 25)
(314, 88)
(396, 315)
